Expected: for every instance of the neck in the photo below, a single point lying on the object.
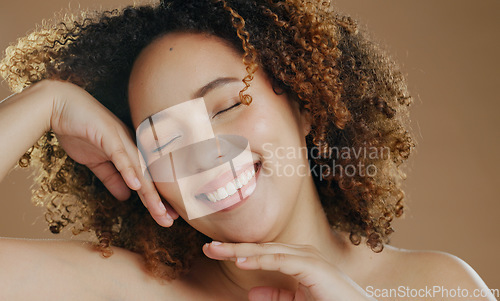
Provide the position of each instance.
(308, 226)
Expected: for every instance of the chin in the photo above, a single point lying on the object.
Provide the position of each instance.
(258, 224)
(249, 234)
(260, 216)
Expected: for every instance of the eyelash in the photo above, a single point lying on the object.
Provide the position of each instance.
(225, 110)
(222, 111)
(165, 145)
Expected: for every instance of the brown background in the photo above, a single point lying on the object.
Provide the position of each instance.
(449, 50)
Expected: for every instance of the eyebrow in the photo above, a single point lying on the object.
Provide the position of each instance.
(216, 83)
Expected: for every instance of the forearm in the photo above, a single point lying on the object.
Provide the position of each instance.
(24, 118)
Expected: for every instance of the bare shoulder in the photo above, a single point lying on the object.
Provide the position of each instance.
(431, 270)
(440, 267)
(42, 268)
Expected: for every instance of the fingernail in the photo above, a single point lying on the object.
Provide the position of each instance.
(241, 259)
(136, 183)
(166, 220)
(162, 207)
(216, 243)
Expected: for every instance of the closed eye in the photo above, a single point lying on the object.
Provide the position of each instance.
(225, 110)
(166, 144)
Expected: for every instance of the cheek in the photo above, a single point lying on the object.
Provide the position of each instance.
(277, 136)
(270, 121)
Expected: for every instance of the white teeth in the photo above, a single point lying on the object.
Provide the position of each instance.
(222, 193)
(243, 178)
(211, 197)
(249, 175)
(237, 184)
(231, 187)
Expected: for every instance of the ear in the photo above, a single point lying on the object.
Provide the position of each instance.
(305, 122)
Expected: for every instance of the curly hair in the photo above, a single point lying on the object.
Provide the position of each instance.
(354, 94)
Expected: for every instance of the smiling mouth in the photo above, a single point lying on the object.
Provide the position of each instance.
(232, 187)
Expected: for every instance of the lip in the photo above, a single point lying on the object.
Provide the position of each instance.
(237, 199)
(223, 179)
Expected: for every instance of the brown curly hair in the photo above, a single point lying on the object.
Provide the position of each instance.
(355, 96)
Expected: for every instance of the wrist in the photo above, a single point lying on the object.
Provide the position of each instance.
(51, 95)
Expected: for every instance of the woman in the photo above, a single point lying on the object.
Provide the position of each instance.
(286, 76)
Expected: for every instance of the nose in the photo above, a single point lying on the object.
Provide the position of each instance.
(208, 154)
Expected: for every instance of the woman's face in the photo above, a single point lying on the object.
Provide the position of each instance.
(177, 70)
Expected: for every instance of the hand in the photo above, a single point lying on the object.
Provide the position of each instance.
(93, 136)
(318, 279)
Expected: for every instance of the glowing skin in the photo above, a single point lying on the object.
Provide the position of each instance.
(162, 78)
(283, 209)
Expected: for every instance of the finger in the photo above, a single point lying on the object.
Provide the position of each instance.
(111, 178)
(163, 218)
(317, 280)
(171, 211)
(227, 251)
(151, 199)
(303, 293)
(117, 153)
(148, 193)
(264, 293)
(300, 268)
